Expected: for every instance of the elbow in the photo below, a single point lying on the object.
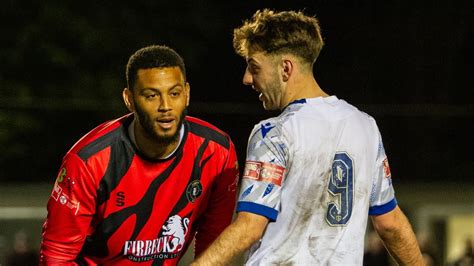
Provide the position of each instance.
(386, 232)
(388, 224)
(385, 227)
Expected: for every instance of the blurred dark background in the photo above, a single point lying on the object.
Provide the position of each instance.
(407, 63)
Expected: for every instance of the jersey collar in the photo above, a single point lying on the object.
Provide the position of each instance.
(299, 101)
(131, 133)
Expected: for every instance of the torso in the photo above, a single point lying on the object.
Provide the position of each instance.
(329, 151)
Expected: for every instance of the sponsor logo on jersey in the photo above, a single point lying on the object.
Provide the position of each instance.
(386, 171)
(61, 175)
(264, 172)
(386, 168)
(167, 246)
(59, 195)
(194, 190)
(64, 180)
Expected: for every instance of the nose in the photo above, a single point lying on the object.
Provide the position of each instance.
(247, 79)
(164, 104)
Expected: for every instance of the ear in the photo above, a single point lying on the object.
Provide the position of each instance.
(287, 69)
(187, 90)
(128, 99)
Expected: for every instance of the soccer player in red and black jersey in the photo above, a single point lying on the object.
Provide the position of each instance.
(140, 188)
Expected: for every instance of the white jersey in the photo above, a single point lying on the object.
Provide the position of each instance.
(316, 171)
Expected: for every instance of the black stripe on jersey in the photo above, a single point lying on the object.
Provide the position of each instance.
(121, 156)
(96, 244)
(196, 174)
(209, 133)
(99, 144)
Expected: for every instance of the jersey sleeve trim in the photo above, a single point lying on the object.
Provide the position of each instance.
(252, 207)
(382, 209)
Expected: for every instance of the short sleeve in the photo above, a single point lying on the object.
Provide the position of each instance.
(382, 197)
(263, 176)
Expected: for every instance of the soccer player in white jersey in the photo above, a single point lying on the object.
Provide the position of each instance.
(314, 173)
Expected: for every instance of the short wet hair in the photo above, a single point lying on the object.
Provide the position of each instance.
(154, 56)
(280, 32)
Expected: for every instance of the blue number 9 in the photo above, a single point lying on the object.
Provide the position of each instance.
(341, 185)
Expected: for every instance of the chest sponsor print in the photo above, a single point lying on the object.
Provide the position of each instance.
(168, 246)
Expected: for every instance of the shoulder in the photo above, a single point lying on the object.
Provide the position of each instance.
(269, 142)
(100, 137)
(347, 108)
(207, 130)
(269, 125)
(335, 110)
(273, 130)
(280, 126)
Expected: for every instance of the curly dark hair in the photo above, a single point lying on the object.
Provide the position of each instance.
(280, 32)
(151, 57)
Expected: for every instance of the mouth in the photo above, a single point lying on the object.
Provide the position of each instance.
(165, 122)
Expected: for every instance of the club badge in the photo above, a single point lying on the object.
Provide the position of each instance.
(194, 190)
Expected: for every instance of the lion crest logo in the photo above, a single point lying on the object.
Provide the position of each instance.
(176, 227)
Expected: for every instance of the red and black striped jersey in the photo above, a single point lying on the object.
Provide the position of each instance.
(112, 205)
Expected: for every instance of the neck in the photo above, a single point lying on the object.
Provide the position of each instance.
(149, 146)
(303, 87)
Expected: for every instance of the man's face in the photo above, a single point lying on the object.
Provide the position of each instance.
(160, 98)
(262, 73)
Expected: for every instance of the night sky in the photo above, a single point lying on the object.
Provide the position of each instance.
(409, 64)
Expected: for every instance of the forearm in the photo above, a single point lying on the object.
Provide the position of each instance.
(227, 246)
(57, 252)
(234, 240)
(403, 247)
(400, 240)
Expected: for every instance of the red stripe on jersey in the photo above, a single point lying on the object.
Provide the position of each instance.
(136, 210)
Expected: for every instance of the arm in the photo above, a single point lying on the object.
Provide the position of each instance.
(396, 232)
(70, 211)
(221, 206)
(247, 229)
(267, 153)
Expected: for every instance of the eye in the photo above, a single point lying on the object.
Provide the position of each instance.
(176, 92)
(150, 96)
(253, 69)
